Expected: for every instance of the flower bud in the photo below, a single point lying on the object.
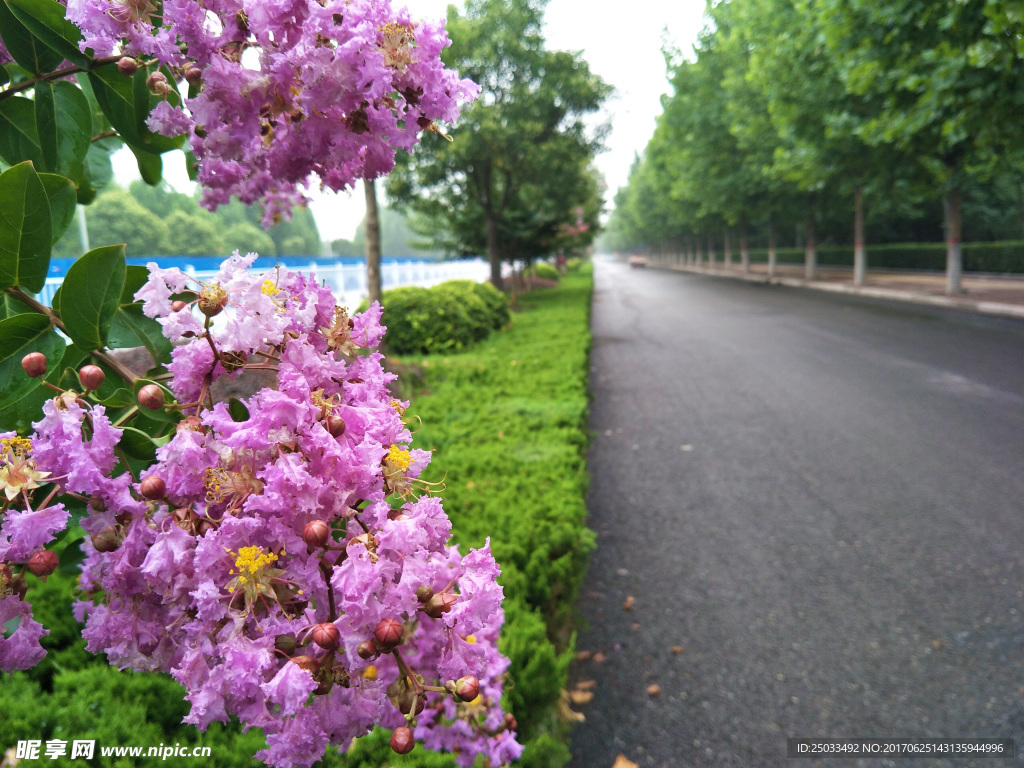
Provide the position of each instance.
(205, 526)
(193, 75)
(402, 740)
(127, 66)
(439, 604)
(153, 488)
(367, 650)
(151, 397)
(424, 593)
(157, 83)
(178, 305)
(327, 636)
(91, 376)
(43, 562)
(316, 533)
(34, 364)
(285, 644)
(106, 540)
(510, 721)
(308, 663)
(467, 688)
(388, 633)
(335, 425)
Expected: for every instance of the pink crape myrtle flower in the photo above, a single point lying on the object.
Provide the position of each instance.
(293, 569)
(286, 92)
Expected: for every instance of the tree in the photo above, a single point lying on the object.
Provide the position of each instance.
(519, 160)
(117, 217)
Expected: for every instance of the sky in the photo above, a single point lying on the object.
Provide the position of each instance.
(621, 43)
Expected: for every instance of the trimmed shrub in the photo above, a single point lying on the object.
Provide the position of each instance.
(446, 318)
(544, 271)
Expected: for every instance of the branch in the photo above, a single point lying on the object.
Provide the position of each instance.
(110, 361)
(57, 75)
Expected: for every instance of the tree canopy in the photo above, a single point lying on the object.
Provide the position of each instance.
(520, 162)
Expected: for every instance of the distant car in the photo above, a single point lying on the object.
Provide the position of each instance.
(637, 261)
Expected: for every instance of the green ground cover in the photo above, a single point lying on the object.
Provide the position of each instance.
(508, 421)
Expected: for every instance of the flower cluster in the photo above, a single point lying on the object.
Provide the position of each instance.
(282, 558)
(285, 89)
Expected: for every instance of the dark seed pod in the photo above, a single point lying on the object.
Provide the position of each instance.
(43, 562)
(34, 364)
(308, 663)
(439, 604)
(388, 633)
(402, 740)
(91, 376)
(193, 76)
(285, 644)
(127, 66)
(424, 593)
(153, 487)
(467, 688)
(106, 540)
(151, 397)
(335, 425)
(367, 650)
(327, 636)
(316, 533)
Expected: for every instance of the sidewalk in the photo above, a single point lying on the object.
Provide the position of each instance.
(992, 295)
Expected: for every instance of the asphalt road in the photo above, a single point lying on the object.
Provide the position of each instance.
(821, 499)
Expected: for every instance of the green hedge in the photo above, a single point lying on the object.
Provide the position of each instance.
(446, 318)
(544, 271)
(1000, 258)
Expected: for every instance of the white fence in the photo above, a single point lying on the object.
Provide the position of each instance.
(348, 281)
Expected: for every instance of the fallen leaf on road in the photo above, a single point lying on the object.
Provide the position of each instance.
(585, 685)
(584, 655)
(599, 658)
(566, 713)
(628, 604)
(653, 689)
(677, 649)
(580, 697)
(634, 626)
(622, 762)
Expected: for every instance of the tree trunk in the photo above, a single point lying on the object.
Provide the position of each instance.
(810, 250)
(954, 252)
(493, 252)
(772, 256)
(372, 250)
(860, 257)
(744, 249)
(728, 249)
(711, 252)
(700, 254)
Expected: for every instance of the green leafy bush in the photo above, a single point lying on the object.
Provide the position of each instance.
(573, 264)
(446, 318)
(544, 271)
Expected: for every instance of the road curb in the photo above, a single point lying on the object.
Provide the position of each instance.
(891, 294)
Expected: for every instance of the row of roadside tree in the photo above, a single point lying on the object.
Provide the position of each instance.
(798, 114)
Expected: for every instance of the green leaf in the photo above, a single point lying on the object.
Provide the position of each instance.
(119, 398)
(4, 77)
(237, 410)
(97, 171)
(10, 306)
(24, 47)
(138, 444)
(90, 295)
(20, 335)
(131, 328)
(25, 230)
(127, 102)
(151, 166)
(60, 191)
(19, 140)
(63, 124)
(45, 19)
